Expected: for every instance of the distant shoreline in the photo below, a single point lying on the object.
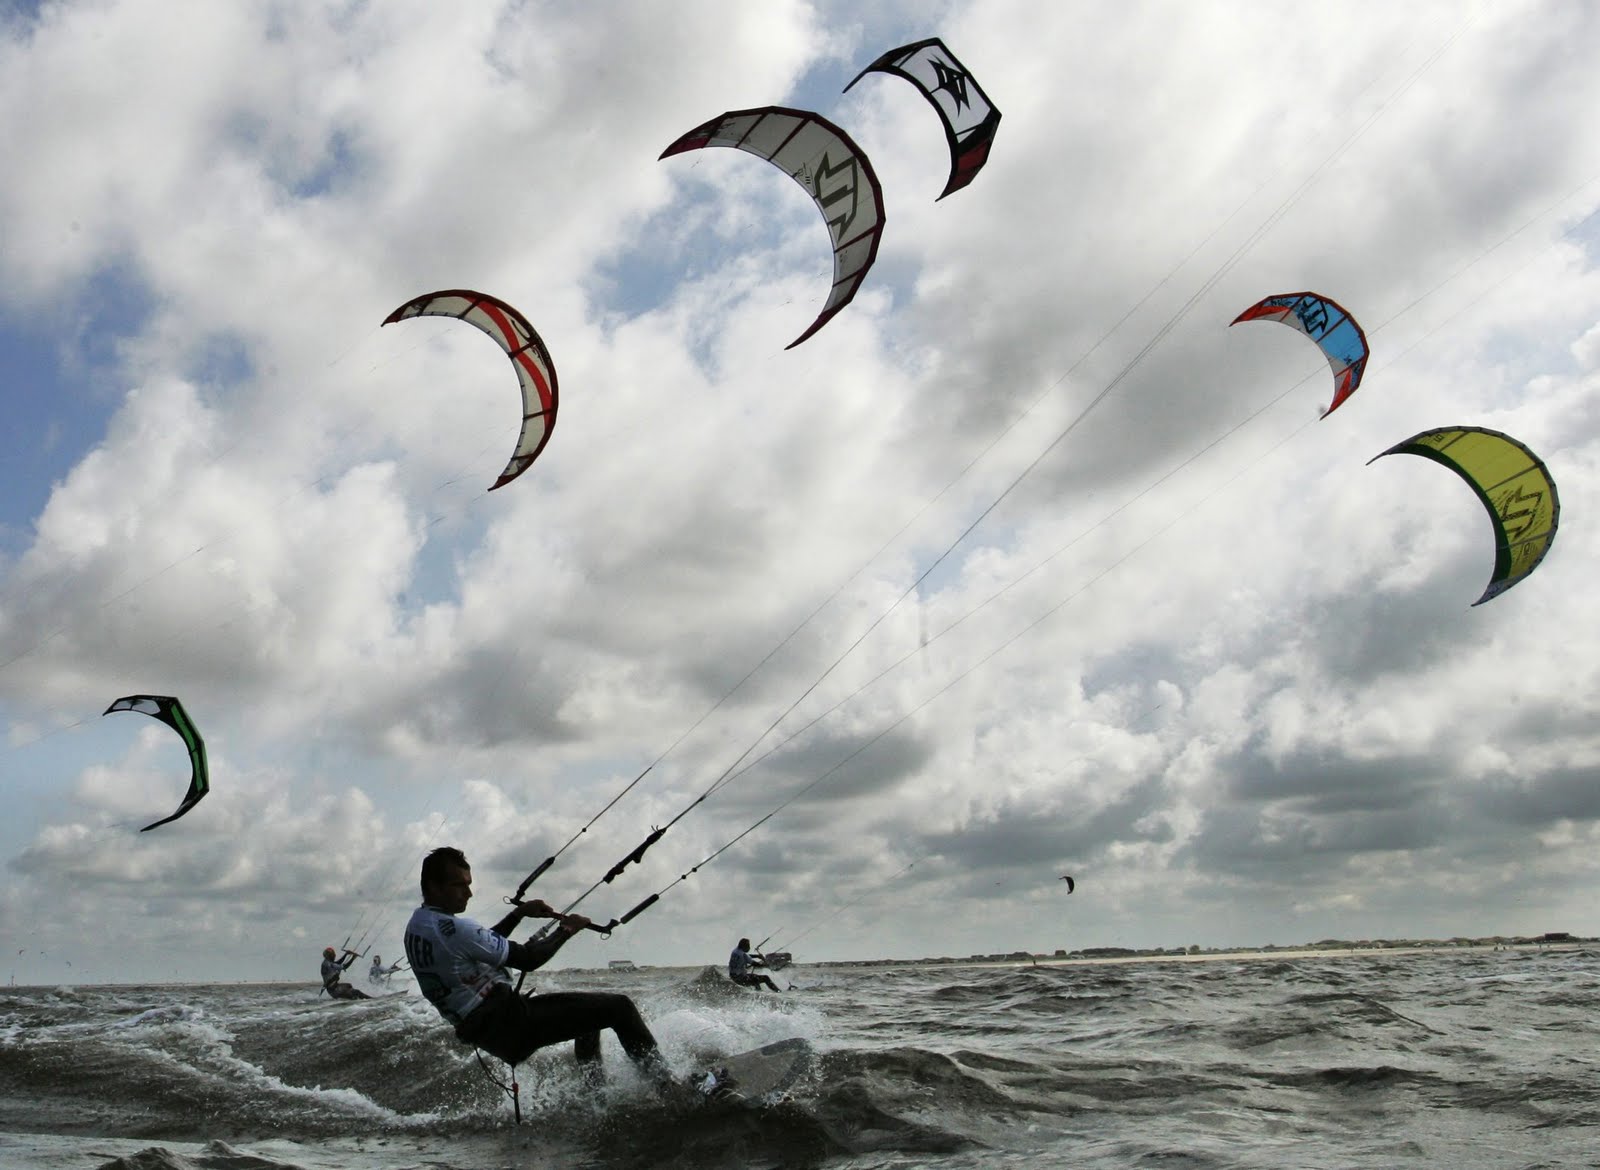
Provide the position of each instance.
(1330, 949)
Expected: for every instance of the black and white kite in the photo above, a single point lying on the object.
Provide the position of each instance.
(970, 119)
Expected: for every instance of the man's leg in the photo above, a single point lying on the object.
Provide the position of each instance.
(580, 1016)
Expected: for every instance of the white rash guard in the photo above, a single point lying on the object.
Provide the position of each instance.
(455, 961)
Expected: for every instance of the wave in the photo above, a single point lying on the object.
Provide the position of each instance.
(1263, 1063)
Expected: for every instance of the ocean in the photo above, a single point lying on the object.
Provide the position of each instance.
(1455, 1058)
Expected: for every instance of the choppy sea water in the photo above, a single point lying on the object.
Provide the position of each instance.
(1461, 1058)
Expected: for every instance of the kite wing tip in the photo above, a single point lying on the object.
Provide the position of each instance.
(694, 140)
(815, 325)
(1493, 590)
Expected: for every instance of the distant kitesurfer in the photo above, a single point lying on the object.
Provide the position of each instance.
(740, 963)
(378, 973)
(461, 968)
(332, 968)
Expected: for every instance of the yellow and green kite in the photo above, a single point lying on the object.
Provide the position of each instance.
(1514, 486)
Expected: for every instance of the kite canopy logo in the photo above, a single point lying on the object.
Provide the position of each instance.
(535, 371)
(169, 711)
(969, 117)
(1341, 339)
(832, 170)
(1513, 484)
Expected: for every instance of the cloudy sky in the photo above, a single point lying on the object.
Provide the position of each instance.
(1025, 564)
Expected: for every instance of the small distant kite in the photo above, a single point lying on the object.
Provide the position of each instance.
(169, 711)
(1513, 484)
(511, 331)
(1335, 331)
(832, 169)
(970, 119)
(1071, 885)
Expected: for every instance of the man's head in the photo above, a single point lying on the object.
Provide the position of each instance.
(744, 944)
(329, 952)
(446, 879)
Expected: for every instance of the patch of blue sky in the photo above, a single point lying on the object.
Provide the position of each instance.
(61, 382)
(938, 576)
(1135, 665)
(328, 172)
(436, 573)
(219, 361)
(19, 16)
(644, 277)
(941, 570)
(115, 304)
(821, 87)
(1587, 234)
(301, 169)
(45, 432)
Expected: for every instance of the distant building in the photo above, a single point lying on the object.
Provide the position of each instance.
(622, 965)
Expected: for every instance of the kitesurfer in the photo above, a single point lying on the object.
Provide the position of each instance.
(378, 973)
(332, 968)
(740, 964)
(462, 969)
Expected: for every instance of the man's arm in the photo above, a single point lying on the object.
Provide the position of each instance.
(509, 923)
(530, 956)
(532, 908)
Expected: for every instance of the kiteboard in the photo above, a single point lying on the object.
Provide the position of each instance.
(761, 1077)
